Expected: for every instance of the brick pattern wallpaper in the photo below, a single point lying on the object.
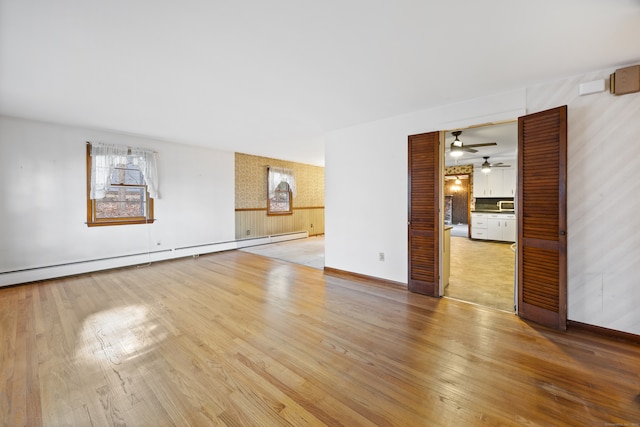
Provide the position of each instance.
(251, 182)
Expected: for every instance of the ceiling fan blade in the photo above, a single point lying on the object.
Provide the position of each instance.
(486, 144)
(500, 165)
(468, 150)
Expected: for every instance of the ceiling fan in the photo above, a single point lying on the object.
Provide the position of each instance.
(457, 148)
(486, 166)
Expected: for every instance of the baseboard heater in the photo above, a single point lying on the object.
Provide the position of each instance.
(34, 274)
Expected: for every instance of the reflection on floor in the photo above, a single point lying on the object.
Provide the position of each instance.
(482, 272)
(309, 251)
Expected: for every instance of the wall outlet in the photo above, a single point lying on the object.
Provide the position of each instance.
(381, 256)
(248, 232)
(158, 243)
(311, 225)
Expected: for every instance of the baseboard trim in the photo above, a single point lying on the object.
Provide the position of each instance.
(38, 273)
(599, 330)
(343, 274)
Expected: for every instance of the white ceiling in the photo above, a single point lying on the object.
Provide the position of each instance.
(505, 135)
(271, 77)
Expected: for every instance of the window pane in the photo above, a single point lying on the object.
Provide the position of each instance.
(122, 202)
(279, 202)
(127, 174)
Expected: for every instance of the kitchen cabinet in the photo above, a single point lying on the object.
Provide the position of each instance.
(501, 227)
(480, 184)
(509, 182)
(493, 226)
(479, 226)
(500, 182)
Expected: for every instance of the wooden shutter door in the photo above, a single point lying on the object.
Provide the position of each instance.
(542, 217)
(424, 219)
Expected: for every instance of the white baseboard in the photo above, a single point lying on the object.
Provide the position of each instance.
(80, 267)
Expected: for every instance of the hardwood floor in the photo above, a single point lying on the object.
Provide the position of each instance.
(240, 339)
(482, 272)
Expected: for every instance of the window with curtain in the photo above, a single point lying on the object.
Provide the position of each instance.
(281, 185)
(121, 185)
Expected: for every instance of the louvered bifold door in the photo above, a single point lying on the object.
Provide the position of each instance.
(423, 223)
(542, 219)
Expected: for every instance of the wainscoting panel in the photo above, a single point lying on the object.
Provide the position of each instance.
(255, 222)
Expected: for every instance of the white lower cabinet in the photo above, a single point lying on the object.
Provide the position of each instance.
(479, 224)
(500, 227)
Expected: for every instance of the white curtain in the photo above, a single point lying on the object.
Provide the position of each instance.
(146, 161)
(105, 157)
(278, 175)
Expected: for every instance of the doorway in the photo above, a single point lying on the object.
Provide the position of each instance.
(456, 203)
(481, 270)
(539, 200)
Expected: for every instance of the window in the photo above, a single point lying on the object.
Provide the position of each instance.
(119, 183)
(281, 189)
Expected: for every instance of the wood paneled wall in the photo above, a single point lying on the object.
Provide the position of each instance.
(251, 198)
(255, 223)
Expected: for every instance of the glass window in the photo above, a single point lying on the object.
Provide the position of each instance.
(280, 196)
(126, 199)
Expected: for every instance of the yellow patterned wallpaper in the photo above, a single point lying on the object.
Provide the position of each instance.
(251, 182)
(460, 169)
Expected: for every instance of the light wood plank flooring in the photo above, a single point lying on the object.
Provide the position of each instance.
(482, 272)
(239, 339)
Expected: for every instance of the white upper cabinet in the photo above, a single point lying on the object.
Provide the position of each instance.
(480, 184)
(509, 182)
(500, 182)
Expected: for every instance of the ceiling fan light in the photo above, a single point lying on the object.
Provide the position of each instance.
(486, 166)
(455, 150)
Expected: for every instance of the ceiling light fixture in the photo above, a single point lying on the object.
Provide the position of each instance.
(456, 145)
(486, 166)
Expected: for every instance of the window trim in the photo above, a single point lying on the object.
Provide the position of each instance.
(91, 205)
(278, 213)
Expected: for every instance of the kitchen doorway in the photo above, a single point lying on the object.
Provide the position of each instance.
(457, 196)
(481, 270)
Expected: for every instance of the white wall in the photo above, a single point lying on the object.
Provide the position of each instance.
(603, 188)
(366, 183)
(366, 192)
(43, 203)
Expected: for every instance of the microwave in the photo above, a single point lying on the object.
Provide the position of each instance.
(506, 205)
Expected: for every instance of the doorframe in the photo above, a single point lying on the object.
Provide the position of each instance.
(442, 175)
